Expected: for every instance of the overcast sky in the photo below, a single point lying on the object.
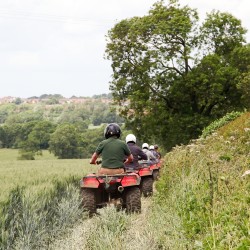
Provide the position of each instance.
(57, 46)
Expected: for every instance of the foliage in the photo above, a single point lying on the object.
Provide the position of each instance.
(5, 111)
(219, 123)
(26, 155)
(166, 88)
(29, 126)
(204, 183)
(65, 142)
(37, 139)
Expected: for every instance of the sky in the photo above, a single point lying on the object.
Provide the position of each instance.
(58, 46)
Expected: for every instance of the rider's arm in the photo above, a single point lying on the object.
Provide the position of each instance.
(93, 158)
(129, 159)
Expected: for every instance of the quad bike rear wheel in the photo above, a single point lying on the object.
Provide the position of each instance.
(89, 200)
(147, 186)
(132, 200)
(156, 174)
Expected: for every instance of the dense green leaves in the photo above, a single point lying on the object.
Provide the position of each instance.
(65, 142)
(171, 77)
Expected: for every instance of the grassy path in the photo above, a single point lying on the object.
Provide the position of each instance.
(152, 229)
(79, 236)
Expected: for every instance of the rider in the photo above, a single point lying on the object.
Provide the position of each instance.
(145, 149)
(152, 149)
(157, 151)
(113, 151)
(136, 152)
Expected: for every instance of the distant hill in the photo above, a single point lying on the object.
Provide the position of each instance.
(55, 97)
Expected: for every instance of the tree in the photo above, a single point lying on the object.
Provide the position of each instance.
(2, 137)
(166, 88)
(39, 136)
(65, 142)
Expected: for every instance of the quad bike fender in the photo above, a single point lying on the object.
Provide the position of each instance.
(131, 180)
(154, 166)
(89, 182)
(145, 171)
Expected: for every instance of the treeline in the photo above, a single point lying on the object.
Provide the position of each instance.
(64, 129)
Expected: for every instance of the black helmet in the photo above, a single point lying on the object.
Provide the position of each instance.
(112, 129)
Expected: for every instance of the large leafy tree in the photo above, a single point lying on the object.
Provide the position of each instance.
(65, 142)
(38, 138)
(171, 77)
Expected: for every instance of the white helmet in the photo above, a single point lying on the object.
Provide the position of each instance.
(145, 145)
(152, 147)
(130, 138)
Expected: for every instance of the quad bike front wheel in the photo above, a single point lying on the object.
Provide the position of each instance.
(132, 198)
(147, 186)
(89, 200)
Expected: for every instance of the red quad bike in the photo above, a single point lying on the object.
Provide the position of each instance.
(121, 189)
(146, 174)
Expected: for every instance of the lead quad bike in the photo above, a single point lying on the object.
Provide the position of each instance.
(147, 179)
(123, 190)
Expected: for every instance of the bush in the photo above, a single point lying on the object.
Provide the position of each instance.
(26, 156)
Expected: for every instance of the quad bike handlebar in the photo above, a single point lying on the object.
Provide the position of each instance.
(97, 163)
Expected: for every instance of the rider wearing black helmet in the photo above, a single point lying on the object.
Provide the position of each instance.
(113, 151)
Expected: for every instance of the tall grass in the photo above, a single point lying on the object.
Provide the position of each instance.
(39, 200)
(34, 222)
(203, 182)
(38, 176)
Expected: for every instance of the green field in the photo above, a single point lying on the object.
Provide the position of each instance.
(38, 175)
(12, 154)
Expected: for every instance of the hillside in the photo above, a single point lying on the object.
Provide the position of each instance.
(206, 185)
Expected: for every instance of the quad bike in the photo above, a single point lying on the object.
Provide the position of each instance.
(120, 189)
(146, 173)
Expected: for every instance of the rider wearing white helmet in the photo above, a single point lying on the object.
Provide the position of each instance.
(150, 155)
(135, 150)
(152, 149)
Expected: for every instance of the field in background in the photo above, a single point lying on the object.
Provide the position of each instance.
(13, 154)
(38, 175)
